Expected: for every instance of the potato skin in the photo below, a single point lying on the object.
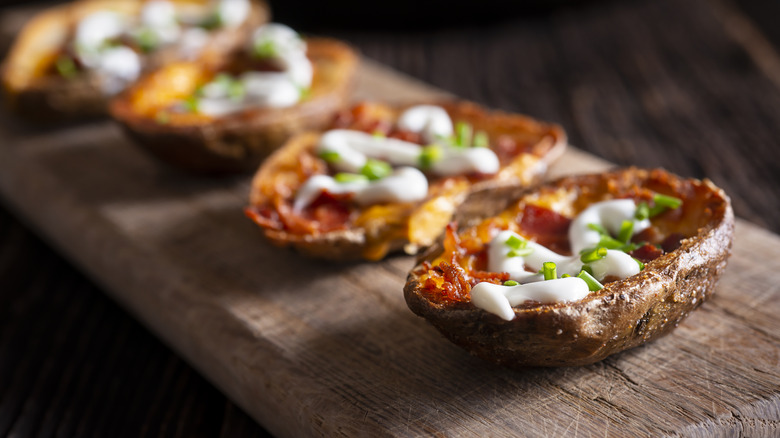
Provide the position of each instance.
(623, 315)
(53, 98)
(238, 143)
(351, 244)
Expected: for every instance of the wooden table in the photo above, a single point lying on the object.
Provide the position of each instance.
(691, 86)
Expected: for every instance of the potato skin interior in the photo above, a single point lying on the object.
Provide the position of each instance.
(625, 313)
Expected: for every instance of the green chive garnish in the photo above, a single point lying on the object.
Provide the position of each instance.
(265, 49)
(511, 283)
(191, 104)
(522, 252)
(626, 231)
(598, 228)
(236, 90)
(594, 254)
(429, 155)
(378, 134)
(587, 269)
(305, 92)
(376, 169)
(667, 201)
(610, 242)
(147, 40)
(639, 262)
(642, 211)
(329, 156)
(515, 242)
(549, 270)
(349, 177)
(213, 21)
(565, 276)
(593, 284)
(481, 139)
(66, 67)
(463, 133)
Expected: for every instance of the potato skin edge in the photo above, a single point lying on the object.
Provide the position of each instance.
(623, 315)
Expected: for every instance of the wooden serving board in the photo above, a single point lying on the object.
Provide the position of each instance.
(315, 348)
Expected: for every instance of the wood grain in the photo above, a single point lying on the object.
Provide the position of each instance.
(312, 348)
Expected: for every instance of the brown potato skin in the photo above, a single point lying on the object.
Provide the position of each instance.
(348, 245)
(623, 315)
(54, 98)
(238, 143)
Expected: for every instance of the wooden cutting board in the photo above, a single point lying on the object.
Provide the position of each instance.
(314, 348)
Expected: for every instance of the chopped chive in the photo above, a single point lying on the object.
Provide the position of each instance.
(520, 252)
(481, 139)
(587, 269)
(66, 67)
(670, 202)
(236, 90)
(349, 177)
(628, 247)
(191, 104)
(639, 262)
(329, 156)
(378, 134)
(463, 132)
(147, 40)
(213, 21)
(642, 211)
(376, 169)
(515, 242)
(565, 276)
(593, 255)
(549, 270)
(610, 242)
(266, 49)
(656, 210)
(598, 228)
(626, 231)
(429, 155)
(593, 284)
(305, 92)
(511, 283)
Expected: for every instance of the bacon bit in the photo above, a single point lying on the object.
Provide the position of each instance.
(646, 253)
(507, 148)
(452, 244)
(489, 277)
(342, 120)
(549, 228)
(264, 216)
(455, 286)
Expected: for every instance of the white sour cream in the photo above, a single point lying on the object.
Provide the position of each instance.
(498, 299)
(355, 147)
(430, 121)
(119, 66)
(233, 12)
(405, 184)
(159, 17)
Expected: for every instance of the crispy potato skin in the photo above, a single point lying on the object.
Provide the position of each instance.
(238, 143)
(623, 315)
(351, 244)
(48, 98)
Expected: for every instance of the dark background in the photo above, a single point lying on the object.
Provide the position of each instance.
(693, 86)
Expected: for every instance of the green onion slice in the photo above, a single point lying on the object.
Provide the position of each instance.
(670, 202)
(376, 169)
(349, 177)
(594, 254)
(515, 242)
(66, 67)
(642, 211)
(598, 228)
(521, 252)
(265, 49)
(147, 40)
(549, 270)
(481, 139)
(329, 156)
(511, 283)
(191, 104)
(593, 284)
(626, 231)
(429, 155)
(639, 262)
(463, 132)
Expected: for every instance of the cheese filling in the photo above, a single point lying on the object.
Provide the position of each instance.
(350, 151)
(504, 256)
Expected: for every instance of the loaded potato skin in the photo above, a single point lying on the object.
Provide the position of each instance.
(49, 76)
(623, 314)
(336, 228)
